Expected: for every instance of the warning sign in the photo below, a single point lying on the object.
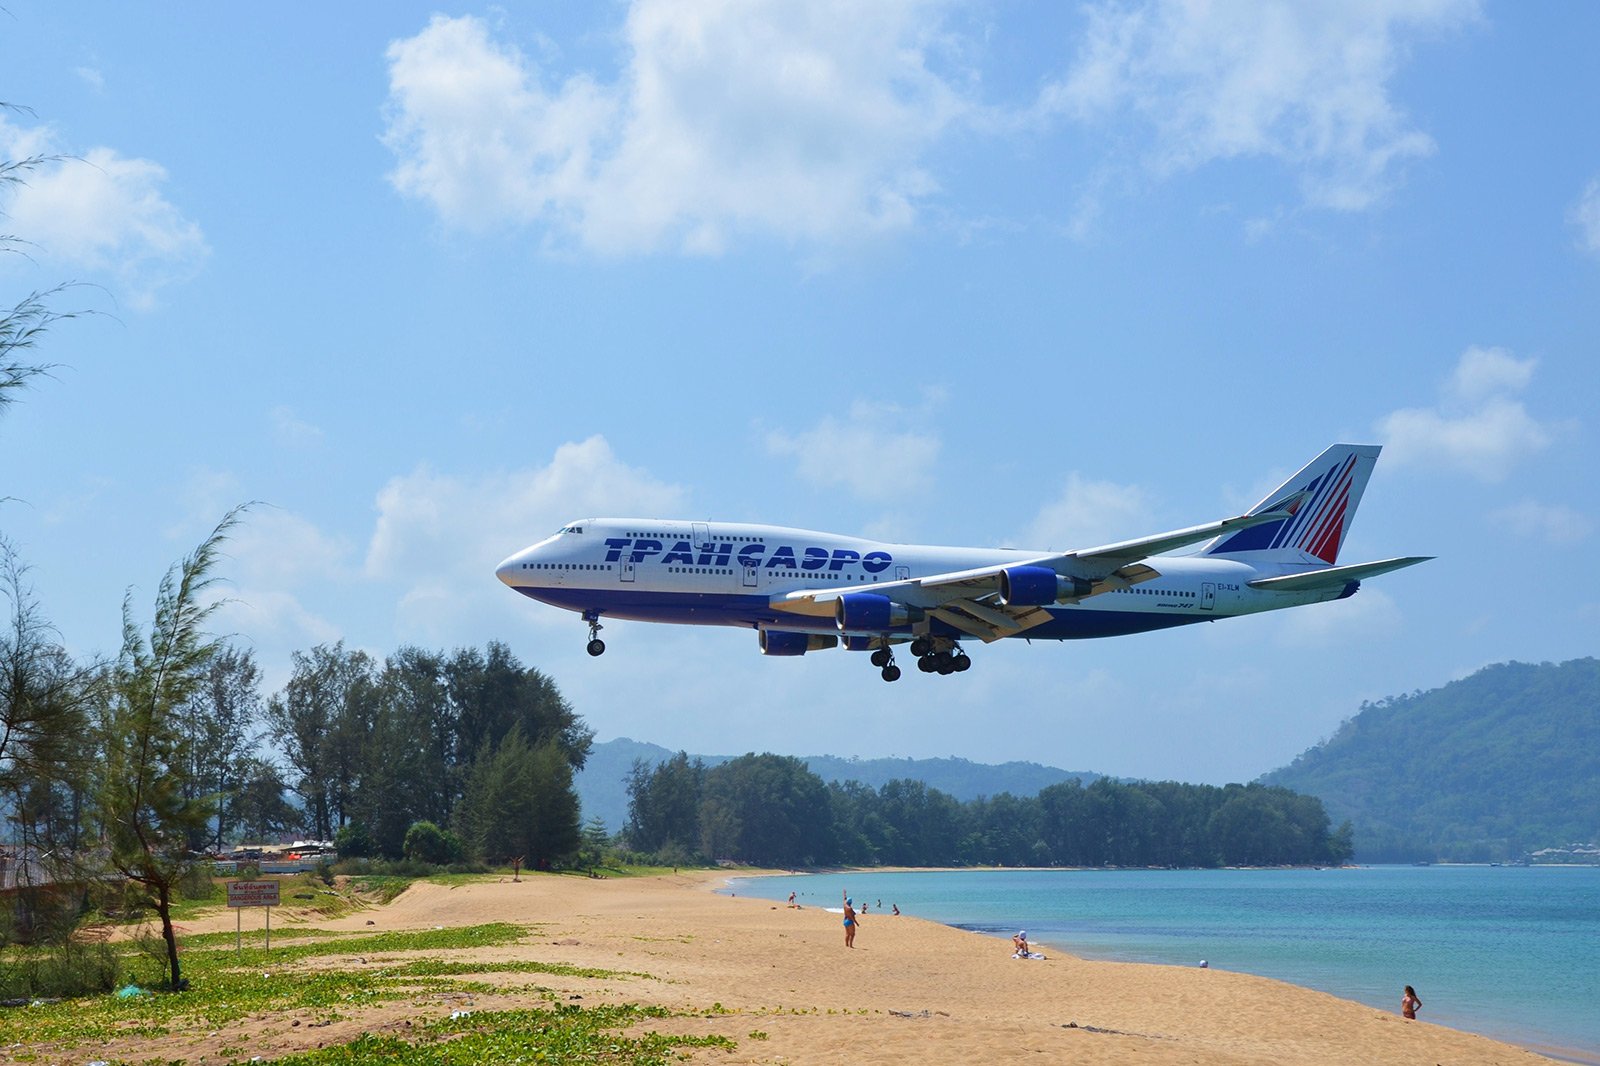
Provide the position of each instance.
(252, 893)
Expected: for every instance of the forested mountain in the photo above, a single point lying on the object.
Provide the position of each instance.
(1490, 768)
(602, 784)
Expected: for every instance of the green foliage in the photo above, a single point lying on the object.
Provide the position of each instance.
(1488, 768)
(148, 813)
(519, 804)
(426, 842)
(353, 841)
(771, 811)
(293, 979)
(65, 970)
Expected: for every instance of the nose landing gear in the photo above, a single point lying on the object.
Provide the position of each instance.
(596, 646)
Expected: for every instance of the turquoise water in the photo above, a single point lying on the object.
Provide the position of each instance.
(1511, 952)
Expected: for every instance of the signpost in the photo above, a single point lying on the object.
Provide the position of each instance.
(243, 894)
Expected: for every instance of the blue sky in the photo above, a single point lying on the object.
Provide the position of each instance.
(429, 283)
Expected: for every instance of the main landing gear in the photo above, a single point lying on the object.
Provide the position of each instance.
(940, 655)
(596, 645)
(883, 657)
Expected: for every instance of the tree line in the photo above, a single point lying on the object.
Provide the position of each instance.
(771, 810)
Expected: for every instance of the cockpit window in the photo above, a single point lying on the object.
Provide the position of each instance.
(569, 529)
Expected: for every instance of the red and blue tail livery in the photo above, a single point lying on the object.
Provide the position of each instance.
(802, 590)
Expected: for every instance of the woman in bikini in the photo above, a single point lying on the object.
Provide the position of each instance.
(850, 922)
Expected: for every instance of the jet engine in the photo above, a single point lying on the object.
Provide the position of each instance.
(778, 642)
(874, 613)
(1035, 586)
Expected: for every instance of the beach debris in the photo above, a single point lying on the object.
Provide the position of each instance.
(130, 992)
(919, 1013)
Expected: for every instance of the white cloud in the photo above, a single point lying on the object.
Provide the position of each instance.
(1550, 523)
(1089, 513)
(1585, 217)
(438, 537)
(802, 120)
(102, 212)
(874, 452)
(291, 431)
(1479, 427)
(1306, 84)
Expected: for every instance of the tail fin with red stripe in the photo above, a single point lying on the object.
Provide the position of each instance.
(1329, 487)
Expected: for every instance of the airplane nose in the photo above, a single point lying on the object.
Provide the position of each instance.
(507, 570)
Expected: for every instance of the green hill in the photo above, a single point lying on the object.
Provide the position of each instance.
(1495, 767)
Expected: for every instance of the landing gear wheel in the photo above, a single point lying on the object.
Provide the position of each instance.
(925, 664)
(944, 663)
(891, 672)
(882, 657)
(596, 645)
(963, 663)
(921, 646)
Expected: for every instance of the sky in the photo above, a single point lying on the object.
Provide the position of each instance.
(425, 284)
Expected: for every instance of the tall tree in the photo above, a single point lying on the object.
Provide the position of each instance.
(493, 692)
(321, 719)
(220, 720)
(45, 700)
(520, 804)
(147, 819)
(664, 803)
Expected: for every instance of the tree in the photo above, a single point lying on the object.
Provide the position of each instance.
(260, 810)
(320, 718)
(493, 692)
(664, 803)
(520, 804)
(44, 699)
(147, 818)
(219, 721)
(766, 809)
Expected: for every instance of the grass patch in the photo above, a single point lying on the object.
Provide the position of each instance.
(564, 1035)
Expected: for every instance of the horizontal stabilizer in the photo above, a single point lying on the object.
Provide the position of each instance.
(1335, 575)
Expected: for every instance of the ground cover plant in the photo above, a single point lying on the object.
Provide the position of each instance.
(232, 986)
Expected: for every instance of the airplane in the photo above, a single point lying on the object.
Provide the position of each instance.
(804, 591)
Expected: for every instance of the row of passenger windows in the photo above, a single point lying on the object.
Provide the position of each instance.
(697, 570)
(566, 566)
(1159, 592)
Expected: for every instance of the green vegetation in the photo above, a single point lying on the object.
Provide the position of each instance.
(770, 810)
(1491, 768)
(231, 986)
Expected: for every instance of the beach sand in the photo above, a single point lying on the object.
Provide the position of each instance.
(910, 991)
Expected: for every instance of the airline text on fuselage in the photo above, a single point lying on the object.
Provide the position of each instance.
(682, 553)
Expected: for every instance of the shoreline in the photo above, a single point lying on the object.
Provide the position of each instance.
(1577, 1056)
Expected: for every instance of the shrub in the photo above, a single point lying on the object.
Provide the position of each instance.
(426, 842)
(63, 972)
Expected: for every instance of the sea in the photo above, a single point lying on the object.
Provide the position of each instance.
(1512, 952)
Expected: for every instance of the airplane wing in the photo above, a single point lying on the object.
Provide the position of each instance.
(969, 599)
(1332, 576)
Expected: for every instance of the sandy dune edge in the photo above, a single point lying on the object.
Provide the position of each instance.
(910, 990)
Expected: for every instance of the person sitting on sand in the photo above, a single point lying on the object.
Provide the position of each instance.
(1410, 1004)
(1020, 942)
(896, 907)
(850, 922)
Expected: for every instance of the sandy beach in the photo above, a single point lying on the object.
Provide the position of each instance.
(910, 991)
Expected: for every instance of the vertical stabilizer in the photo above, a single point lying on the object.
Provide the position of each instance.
(1330, 487)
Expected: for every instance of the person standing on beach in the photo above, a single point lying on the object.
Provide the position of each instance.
(850, 922)
(1410, 1004)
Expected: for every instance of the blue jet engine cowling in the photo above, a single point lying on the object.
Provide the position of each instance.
(778, 642)
(1036, 586)
(872, 612)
